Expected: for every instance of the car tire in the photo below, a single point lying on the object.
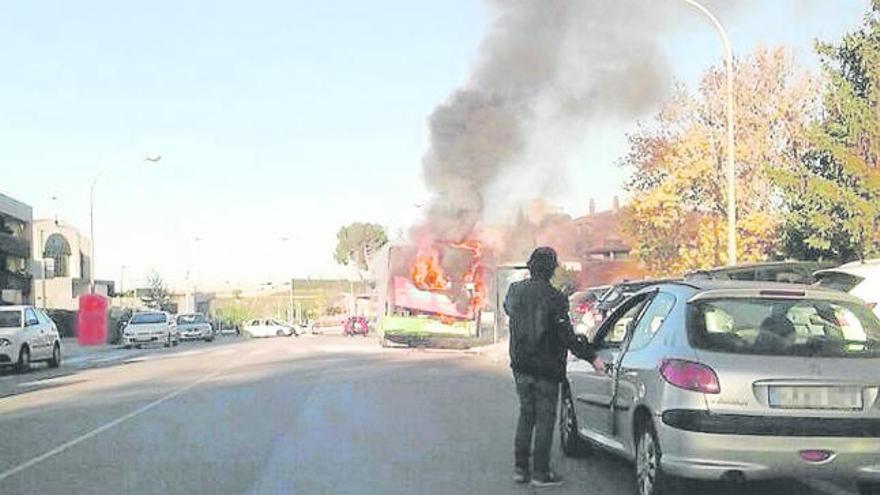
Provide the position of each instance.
(569, 438)
(868, 488)
(55, 361)
(279, 333)
(24, 360)
(168, 342)
(650, 479)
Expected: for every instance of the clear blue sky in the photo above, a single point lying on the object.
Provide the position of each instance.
(274, 119)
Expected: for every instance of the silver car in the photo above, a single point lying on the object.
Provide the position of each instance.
(732, 381)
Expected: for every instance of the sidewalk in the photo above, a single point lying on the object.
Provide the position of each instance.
(70, 349)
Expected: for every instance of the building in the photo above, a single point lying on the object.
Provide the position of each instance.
(65, 256)
(15, 251)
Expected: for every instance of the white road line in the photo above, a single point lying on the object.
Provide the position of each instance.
(61, 448)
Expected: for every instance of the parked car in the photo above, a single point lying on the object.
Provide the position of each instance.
(794, 272)
(194, 327)
(356, 325)
(732, 381)
(28, 335)
(150, 327)
(859, 278)
(268, 327)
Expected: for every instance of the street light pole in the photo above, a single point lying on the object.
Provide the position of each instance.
(731, 170)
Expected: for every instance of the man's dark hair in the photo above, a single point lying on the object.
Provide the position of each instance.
(542, 263)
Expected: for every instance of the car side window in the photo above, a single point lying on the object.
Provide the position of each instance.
(30, 318)
(651, 320)
(618, 324)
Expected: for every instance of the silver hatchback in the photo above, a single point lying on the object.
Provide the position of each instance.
(732, 381)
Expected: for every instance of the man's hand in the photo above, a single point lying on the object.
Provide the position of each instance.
(598, 364)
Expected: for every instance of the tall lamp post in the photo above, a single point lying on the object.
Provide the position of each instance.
(92, 219)
(731, 170)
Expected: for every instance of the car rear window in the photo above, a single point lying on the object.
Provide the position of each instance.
(838, 281)
(146, 318)
(784, 327)
(10, 319)
(190, 319)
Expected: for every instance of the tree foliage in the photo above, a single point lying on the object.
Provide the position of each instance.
(676, 220)
(157, 296)
(833, 196)
(355, 243)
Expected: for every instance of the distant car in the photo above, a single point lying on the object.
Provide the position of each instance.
(859, 278)
(356, 325)
(583, 310)
(28, 335)
(150, 327)
(792, 272)
(735, 381)
(268, 327)
(194, 327)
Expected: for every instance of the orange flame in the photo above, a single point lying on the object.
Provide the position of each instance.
(427, 274)
(474, 274)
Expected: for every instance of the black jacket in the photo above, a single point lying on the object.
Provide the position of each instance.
(540, 330)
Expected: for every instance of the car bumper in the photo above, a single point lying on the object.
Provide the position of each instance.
(144, 339)
(711, 456)
(194, 336)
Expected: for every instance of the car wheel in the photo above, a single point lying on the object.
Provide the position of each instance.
(168, 342)
(569, 438)
(650, 479)
(56, 357)
(279, 333)
(24, 360)
(176, 341)
(868, 488)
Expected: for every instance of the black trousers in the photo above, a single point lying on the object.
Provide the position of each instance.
(537, 416)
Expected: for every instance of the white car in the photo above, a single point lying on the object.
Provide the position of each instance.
(28, 335)
(268, 328)
(859, 278)
(150, 327)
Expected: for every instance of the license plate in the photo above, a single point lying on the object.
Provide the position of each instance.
(844, 398)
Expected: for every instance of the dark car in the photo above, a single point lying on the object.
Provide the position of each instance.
(356, 325)
(793, 272)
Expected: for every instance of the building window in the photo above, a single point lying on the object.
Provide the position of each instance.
(58, 249)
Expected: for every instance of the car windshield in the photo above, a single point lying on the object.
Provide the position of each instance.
(190, 319)
(10, 319)
(784, 327)
(147, 318)
(838, 281)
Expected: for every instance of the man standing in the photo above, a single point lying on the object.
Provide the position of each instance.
(540, 334)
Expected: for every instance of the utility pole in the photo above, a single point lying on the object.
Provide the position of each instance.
(121, 279)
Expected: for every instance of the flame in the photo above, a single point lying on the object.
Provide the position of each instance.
(474, 274)
(427, 274)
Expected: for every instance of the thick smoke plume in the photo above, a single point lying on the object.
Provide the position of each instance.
(545, 69)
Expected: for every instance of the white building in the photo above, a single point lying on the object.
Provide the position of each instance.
(65, 255)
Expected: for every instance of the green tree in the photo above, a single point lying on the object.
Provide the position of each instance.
(356, 242)
(833, 198)
(565, 280)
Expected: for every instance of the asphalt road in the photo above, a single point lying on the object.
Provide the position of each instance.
(315, 415)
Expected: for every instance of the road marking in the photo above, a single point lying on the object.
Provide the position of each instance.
(61, 448)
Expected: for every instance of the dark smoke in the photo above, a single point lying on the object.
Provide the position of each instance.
(545, 69)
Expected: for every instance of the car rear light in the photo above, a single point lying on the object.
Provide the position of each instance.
(689, 375)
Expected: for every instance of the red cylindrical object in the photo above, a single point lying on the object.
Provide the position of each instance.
(91, 321)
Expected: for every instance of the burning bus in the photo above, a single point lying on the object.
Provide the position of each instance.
(434, 294)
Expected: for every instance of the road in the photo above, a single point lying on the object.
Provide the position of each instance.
(309, 415)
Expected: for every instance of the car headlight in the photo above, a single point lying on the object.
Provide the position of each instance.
(5, 342)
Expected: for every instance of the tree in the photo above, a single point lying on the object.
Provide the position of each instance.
(565, 280)
(676, 220)
(355, 243)
(157, 293)
(833, 197)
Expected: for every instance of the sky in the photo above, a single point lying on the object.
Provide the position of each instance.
(278, 121)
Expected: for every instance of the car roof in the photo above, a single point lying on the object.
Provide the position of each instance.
(855, 268)
(739, 287)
